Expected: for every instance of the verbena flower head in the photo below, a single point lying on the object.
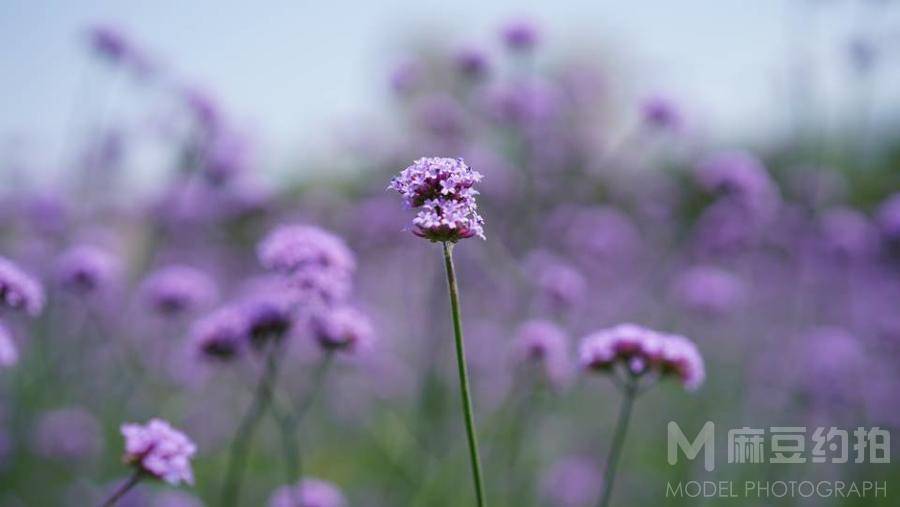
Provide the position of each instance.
(221, 335)
(708, 290)
(344, 329)
(9, 355)
(520, 34)
(109, 42)
(18, 290)
(86, 269)
(267, 317)
(889, 217)
(544, 344)
(471, 62)
(310, 492)
(159, 450)
(68, 434)
(318, 264)
(442, 189)
(174, 290)
(660, 112)
(560, 283)
(641, 351)
(848, 233)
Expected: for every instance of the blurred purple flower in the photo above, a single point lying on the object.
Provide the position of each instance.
(442, 190)
(641, 350)
(888, 217)
(318, 264)
(543, 343)
(18, 290)
(68, 434)
(441, 116)
(531, 103)
(472, 62)
(848, 234)
(343, 329)
(406, 77)
(574, 481)
(601, 236)
(109, 42)
(268, 317)
(739, 176)
(708, 290)
(559, 282)
(9, 355)
(520, 34)
(159, 450)
(310, 492)
(661, 112)
(225, 157)
(204, 108)
(175, 290)
(221, 335)
(85, 269)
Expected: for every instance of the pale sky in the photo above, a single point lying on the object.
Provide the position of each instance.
(294, 69)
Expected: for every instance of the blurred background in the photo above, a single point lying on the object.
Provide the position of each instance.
(726, 170)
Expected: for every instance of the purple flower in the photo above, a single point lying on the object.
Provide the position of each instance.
(574, 481)
(442, 190)
(406, 77)
(18, 290)
(543, 343)
(174, 290)
(520, 34)
(9, 356)
(640, 351)
(889, 217)
(558, 281)
(660, 112)
(68, 434)
(344, 328)
(740, 176)
(85, 269)
(708, 290)
(530, 103)
(226, 156)
(848, 233)
(221, 335)
(268, 317)
(318, 264)
(311, 492)
(471, 62)
(159, 450)
(109, 42)
(204, 108)
(441, 115)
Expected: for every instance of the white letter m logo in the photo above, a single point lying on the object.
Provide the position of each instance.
(705, 440)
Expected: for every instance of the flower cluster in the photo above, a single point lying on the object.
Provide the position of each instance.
(442, 190)
(85, 269)
(319, 265)
(544, 344)
(708, 290)
(18, 290)
(311, 492)
(159, 450)
(175, 290)
(642, 351)
(343, 328)
(220, 335)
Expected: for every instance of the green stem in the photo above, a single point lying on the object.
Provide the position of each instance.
(239, 447)
(463, 374)
(629, 392)
(124, 488)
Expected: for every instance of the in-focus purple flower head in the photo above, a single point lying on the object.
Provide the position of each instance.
(310, 492)
(18, 290)
(520, 34)
(708, 290)
(317, 264)
(175, 290)
(660, 112)
(9, 355)
(640, 351)
(159, 450)
(343, 328)
(442, 189)
(543, 343)
(85, 269)
(68, 434)
(220, 336)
